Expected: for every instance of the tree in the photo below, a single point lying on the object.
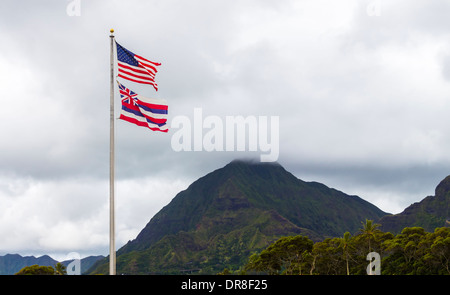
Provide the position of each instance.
(329, 257)
(407, 251)
(438, 256)
(60, 269)
(36, 270)
(285, 254)
(369, 230)
(292, 249)
(266, 261)
(345, 244)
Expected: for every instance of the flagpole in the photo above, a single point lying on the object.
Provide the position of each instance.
(112, 242)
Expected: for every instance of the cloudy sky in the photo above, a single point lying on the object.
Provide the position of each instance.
(361, 89)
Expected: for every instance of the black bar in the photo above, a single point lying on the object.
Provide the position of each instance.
(233, 284)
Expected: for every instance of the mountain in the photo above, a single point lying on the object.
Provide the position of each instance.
(430, 213)
(12, 263)
(223, 217)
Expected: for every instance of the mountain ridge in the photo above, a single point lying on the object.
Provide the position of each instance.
(12, 263)
(222, 180)
(224, 216)
(430, 213)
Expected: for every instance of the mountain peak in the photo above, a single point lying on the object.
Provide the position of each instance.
(252, 168)
(443, 187)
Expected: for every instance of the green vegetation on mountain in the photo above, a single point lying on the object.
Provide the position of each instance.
(225, 216)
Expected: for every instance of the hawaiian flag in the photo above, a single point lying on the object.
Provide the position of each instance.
(143, 111)
(136, 68)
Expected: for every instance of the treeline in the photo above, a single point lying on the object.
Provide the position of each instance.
(412, 252)
(35, 269)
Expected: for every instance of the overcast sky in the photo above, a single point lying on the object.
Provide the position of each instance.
(361, 89)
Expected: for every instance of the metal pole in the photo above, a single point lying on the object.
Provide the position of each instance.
(112, 242)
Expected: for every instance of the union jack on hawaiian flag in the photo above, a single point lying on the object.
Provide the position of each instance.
(129, 96)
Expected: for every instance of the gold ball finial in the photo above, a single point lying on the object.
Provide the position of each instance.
(112, 31)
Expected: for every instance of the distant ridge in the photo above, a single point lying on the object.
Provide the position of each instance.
(430, 213)
(12, 263)
(224, 216)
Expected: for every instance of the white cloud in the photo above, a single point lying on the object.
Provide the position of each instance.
(73, 215)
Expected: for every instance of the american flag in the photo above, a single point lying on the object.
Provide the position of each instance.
(143, 111)
(136, 68)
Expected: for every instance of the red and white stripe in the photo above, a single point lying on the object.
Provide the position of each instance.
(144, 73)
